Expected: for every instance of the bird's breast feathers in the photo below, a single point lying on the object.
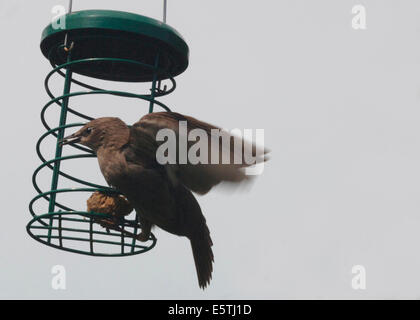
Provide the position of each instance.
(113, 165)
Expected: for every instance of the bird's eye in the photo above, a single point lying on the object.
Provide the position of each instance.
(89, 130)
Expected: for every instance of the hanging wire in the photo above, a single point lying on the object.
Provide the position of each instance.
(70, 11)
(165, 5)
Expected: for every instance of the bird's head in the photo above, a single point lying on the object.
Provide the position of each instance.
(102, 132)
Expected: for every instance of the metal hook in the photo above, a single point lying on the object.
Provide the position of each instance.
(70, 48)
(159, 90)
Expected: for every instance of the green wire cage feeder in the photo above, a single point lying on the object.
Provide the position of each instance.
(106, 45)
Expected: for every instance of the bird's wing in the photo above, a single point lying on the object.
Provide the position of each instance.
(224, 162)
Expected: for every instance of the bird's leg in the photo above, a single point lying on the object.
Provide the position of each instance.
(108, 225)
(104, 223)
(146, 228)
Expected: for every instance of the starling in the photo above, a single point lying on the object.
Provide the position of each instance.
(161, 193)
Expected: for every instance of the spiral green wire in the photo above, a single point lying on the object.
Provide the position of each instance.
(49, 227)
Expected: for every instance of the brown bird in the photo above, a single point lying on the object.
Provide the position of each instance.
(161, 194)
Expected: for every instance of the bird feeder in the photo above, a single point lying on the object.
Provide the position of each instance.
(106, 45)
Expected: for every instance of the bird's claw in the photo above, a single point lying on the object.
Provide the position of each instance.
(142, 236)
(112, 224)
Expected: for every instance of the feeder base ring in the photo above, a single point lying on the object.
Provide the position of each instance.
(81, 232)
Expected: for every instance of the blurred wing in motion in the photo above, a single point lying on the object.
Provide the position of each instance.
(226, 154)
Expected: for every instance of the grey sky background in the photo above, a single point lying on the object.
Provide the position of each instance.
(340, 109)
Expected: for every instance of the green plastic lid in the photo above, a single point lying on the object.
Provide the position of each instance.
(120, 35)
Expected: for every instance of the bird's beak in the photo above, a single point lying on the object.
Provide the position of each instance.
(74, 138)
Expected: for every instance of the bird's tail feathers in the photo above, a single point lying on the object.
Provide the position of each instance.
(201, 244)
